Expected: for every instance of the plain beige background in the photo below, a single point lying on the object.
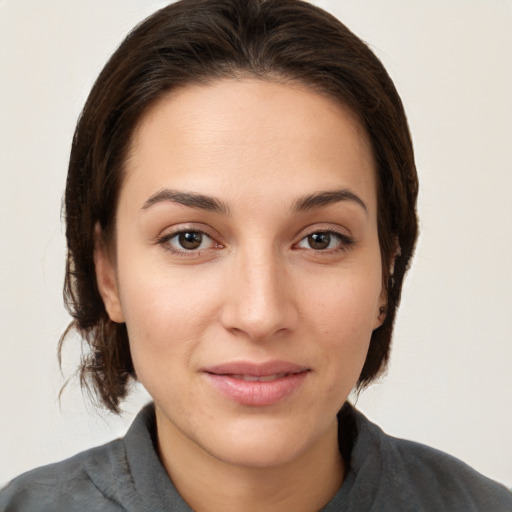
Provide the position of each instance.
(450, 379)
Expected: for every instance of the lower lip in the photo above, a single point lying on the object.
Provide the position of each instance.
(257, 393)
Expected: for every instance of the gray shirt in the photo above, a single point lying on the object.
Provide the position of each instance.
(385, 474)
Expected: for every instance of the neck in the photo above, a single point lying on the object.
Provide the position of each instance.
(306, 483)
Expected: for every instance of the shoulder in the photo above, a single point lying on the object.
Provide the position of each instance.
(447, 480)
(417, 477)
(77, 483)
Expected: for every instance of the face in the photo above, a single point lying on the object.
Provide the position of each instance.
(247, 266)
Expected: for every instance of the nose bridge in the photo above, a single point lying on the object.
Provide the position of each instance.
(259, 303)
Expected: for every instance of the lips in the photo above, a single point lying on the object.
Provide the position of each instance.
(256, 384)
(265, 378)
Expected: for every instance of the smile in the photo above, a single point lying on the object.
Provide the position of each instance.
(254, 378)
(256, 385)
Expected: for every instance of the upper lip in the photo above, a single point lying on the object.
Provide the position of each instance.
(255, 369)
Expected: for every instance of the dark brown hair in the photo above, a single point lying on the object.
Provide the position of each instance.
(195, 41)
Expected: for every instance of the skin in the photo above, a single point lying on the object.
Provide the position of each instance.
(255, 290)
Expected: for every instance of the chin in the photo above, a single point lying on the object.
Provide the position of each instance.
(264, 444)
(257, 453)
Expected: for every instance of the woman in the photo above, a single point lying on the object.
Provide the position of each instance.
(240, 210)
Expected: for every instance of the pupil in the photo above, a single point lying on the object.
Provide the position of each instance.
(319, 241)
(190, 240)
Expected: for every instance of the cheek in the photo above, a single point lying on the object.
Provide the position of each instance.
(166, 309)
(343, 313)
(349, 304)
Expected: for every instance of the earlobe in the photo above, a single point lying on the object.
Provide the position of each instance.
(396, 253)
(381, 314)
(106, 278)
(383, 299)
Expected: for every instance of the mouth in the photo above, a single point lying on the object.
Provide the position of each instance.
(256, 385)
(255, 378)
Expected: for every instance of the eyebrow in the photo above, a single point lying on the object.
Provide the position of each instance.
(325, 198)
(212, 204)
(190, 199)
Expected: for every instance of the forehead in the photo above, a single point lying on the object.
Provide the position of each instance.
(253, 135)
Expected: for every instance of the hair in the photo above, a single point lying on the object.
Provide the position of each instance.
(197, 41)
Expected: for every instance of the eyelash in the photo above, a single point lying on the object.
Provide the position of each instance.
(345, 242)
(165, 239)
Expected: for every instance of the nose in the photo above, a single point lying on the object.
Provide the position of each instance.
(259, 302)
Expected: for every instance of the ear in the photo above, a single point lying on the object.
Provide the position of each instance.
(397, 251)
(106, 277)
(380, 315)
(383, 298)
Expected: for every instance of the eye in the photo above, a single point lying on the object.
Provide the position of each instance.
(190, 240)
(187, 241)
(325, 241)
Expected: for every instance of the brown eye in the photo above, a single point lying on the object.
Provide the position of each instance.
(319, 241)
(188, 243)
(190, 240)
(328, 241)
